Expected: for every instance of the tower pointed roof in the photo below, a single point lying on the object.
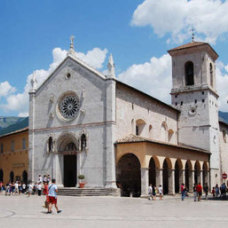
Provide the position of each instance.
(185, 48)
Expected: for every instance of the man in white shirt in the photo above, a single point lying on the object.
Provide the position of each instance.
(52, 195)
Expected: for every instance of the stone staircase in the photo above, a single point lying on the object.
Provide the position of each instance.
(88, 191)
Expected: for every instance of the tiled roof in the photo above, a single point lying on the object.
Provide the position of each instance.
(189, 45)
(194, 44)
(22, 125)
(134, 139)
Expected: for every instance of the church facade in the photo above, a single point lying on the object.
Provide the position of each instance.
(84, 122)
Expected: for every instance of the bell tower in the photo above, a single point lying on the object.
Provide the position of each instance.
(194, 94)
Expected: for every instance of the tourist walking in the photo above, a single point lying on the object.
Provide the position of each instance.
(23, 188)
(40, 179)
(16, 185)
(52, 195)
(217, 190)
(160, 191)
(154, 189)
(194, 192)
(199, 191)
(30, 189)
(150, 192)
(205, 189)
(183, 191)
(39, 188)
(223, 190)
(45, 192)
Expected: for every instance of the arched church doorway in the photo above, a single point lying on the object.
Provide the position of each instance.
(165, 177)
(152, 172)
(70, 165)
(68, 147)
(129, 175)
(1, 175)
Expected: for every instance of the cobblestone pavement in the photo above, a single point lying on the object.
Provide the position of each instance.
(22, 211)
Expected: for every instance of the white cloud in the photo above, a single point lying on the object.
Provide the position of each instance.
(222, 85)
(209, 18)
(153, 77)
(94, 57)
(6, 89)
(19, 101)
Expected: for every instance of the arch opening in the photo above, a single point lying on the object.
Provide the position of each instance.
(177, 177)
(25, 177)
(165, 177)
(1, 175)
(197, 173)
(187, 174)
(11, 176)
(152, 172)
(129, 175)
(189, 73)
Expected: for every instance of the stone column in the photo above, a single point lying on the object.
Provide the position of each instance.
(191, 180)
(171, 181)
(144, 181)
(159, 177)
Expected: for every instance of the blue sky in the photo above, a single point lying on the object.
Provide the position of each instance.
(138, 33)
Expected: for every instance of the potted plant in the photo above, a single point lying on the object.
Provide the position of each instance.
(81, 177)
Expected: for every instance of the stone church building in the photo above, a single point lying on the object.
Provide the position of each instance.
(84, 122)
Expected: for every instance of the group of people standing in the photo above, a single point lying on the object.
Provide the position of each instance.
(13, 188)
(197, 191)
(219, 191)
(153, 190)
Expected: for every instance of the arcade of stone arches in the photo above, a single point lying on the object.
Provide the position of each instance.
(135, 171)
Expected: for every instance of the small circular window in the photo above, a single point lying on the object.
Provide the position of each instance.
(69, 106)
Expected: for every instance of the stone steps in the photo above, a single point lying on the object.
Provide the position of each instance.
(88, 192)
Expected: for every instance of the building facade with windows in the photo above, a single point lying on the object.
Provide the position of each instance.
(14, 153)
(84, 122)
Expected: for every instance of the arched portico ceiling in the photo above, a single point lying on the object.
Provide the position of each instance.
(156, 161)
(179, 163)
(206, 166)
(169, 163)
(197, 165)
(64, 140)
(128, 155)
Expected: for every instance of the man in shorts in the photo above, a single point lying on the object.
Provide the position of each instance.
(52, 196)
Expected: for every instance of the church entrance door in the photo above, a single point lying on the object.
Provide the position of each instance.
(70, 170)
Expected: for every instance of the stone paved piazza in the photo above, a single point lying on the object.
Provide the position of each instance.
(23, 211)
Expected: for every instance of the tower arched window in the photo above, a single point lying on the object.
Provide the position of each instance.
(50, 144)
(189, 73)
(211, 75)
(83, 142)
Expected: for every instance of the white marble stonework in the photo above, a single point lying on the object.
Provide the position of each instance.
(77, 100)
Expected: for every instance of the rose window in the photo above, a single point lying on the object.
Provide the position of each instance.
(69, 106)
